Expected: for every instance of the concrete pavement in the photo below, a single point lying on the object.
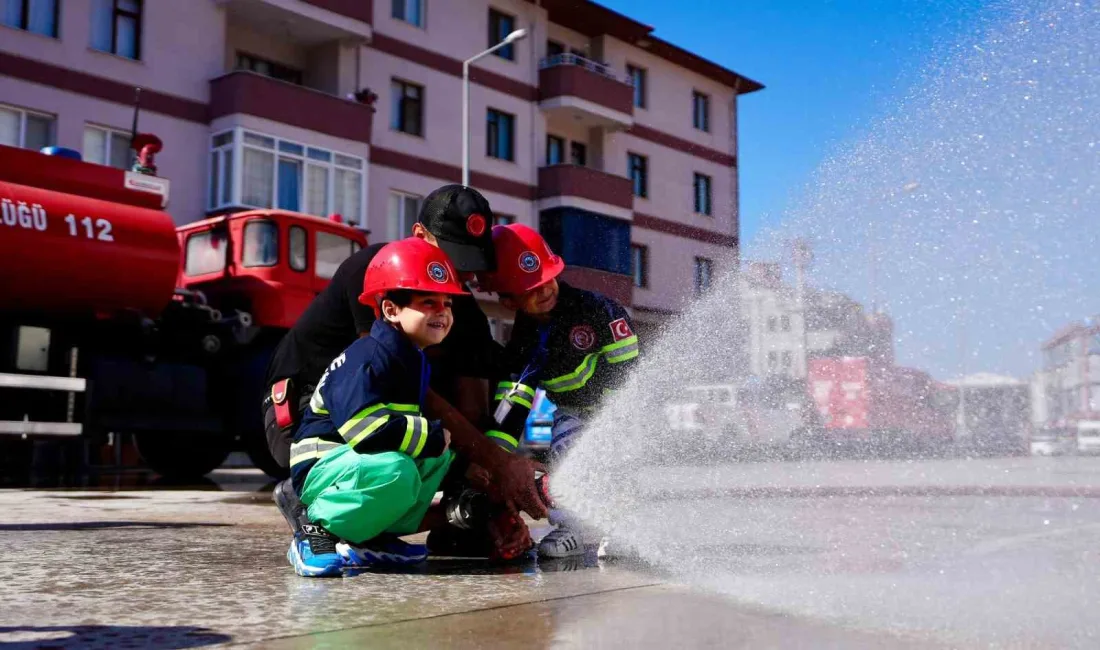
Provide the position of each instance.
(884, 568)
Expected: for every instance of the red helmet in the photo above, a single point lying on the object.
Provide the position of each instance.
(412, 264)
(524, 260)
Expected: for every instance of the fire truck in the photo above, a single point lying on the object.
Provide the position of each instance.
(113, 321)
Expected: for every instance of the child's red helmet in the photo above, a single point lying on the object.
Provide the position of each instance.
(524, 261)
(412, 264)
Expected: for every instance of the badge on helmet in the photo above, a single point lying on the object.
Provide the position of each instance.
(438, 272)
(529, 262)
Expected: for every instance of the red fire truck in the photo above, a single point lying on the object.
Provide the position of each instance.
(114, 321)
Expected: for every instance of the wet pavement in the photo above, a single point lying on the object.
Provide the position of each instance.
(991, 553)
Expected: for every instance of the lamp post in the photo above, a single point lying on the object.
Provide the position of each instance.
(510, 38)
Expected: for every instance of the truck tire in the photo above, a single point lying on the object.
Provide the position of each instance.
(182, 456)
(255, 445)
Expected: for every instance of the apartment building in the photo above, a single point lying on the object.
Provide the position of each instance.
(1067, 388)
(619, 146)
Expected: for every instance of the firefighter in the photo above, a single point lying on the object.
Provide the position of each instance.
(576, 345)
(456, 219)
(366, 462)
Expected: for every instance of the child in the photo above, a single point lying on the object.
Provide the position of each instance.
(365, 462)
(577, 345)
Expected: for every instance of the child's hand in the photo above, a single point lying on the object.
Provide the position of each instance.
(446, 439)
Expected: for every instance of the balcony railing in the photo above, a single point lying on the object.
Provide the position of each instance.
(567, 58)
(585, 183)
(280, 101)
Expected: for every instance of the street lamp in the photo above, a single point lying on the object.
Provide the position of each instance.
(510, 38)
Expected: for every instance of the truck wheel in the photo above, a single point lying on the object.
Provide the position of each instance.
(181, 456)
(255, 445)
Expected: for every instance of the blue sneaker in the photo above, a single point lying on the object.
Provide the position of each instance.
(313, 553)
(386, 549)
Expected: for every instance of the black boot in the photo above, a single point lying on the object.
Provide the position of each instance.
(290, 506)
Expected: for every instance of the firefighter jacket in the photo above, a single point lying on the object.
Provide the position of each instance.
(582, 354)
(370, 398)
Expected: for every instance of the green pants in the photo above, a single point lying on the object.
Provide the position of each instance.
(359, 496)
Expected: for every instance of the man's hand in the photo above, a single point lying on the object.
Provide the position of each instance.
(510, 536)
(514, 485)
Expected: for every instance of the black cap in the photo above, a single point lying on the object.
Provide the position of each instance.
(462, 222)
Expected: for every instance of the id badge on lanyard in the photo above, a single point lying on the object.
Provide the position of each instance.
(505, 406)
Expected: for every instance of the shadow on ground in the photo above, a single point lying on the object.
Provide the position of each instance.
(107, 636)
(102, 525)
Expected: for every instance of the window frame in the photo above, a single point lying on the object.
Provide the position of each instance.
(423, 6)
(290, 248)
(404, 229)
(317, 235)
(276, 67)
(25, 19)
(643, 170)
(640, 273)
(508, 52)
(503, 219)
(639, 94)
(700, 100)
(397, 120)
(138, 17)
(209, 233)
(701, 263)
(490, 139)
(231, 152)
(560, 141)
(274, 226)
(23, 113)
(108, 133)
(702, 181)
(576, 146)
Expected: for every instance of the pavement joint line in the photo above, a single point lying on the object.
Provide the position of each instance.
(446, 614)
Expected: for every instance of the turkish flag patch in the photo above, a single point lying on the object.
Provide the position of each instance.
(620, 329)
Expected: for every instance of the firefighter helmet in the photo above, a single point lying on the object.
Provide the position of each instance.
(524, 261)
(411, 264)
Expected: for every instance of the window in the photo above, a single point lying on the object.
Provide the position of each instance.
(331, 250)
(116, 27)
(636, 166)
(38, 16)
(703, 270)
(403, 210)
(501, 25)
(787, 359)
(205, 253)
(639, 265)
(578, 153)
(771, 323)
(503, 219)
(250, 169)
(700, 111)
(554, 48)
(637, 79)
(407, 112)
(299, 257)
(19, 128)
(108, 147)
(269, 68)
(587, 239)
(555, 150)
(410, 11)
(500, 134)
(702, 194)
(772, 358)
(785, 323)
(261, 243)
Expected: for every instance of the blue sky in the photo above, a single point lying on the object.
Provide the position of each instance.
(829, 67)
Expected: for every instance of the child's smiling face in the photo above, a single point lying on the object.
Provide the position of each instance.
(426, 320)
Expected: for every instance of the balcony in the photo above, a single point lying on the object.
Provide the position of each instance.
(254, 94)
(588, 91)
(575, 186)
(311, 21)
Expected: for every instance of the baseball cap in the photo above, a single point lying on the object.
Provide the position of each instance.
(462, 222)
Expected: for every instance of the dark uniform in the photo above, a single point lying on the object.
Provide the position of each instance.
(333, 321)
(580, 355)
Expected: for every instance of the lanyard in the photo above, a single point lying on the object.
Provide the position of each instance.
(538, 357)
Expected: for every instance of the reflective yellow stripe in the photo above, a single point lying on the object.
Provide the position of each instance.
(505, 386)
(516, 399)
(311, 449)
(620, 351)
(416, 435)
(364, 423)
(576, 379)
(503, 439)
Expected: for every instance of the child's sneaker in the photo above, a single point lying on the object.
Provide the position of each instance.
(384, 549)
(561, 542)
(313, 553)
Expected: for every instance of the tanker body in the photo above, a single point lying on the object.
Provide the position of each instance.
(877, 406)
